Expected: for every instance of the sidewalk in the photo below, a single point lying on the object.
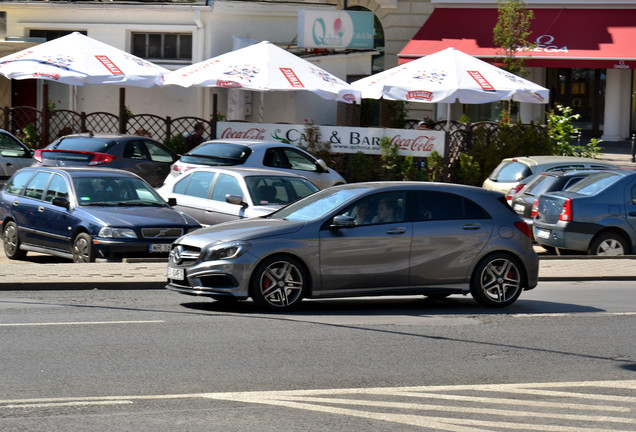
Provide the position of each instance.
(69, 276)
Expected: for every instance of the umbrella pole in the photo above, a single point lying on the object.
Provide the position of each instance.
(122, 110)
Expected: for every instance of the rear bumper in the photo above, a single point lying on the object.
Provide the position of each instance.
(565, 235)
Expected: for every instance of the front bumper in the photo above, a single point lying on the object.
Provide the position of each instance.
(118, 248)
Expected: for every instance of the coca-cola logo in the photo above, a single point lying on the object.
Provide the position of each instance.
(422, 143)
(252, 133)
(419, 95)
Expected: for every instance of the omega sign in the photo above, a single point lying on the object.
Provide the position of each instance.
(545, 43)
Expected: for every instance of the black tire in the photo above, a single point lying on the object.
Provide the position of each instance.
(609, 244)
(278, 284)
(497, 281)
(83, 251)
(11, 238)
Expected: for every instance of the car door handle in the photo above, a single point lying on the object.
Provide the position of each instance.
(41, 209)
(396, 231)
(632, 213)
(474, 226)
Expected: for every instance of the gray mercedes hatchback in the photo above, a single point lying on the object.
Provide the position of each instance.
(361, 239)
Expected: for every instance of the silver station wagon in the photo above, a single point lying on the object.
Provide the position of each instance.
(360, 239)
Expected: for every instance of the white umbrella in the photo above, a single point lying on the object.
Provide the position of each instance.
(449, 76)
(263, 67)
(76, 59)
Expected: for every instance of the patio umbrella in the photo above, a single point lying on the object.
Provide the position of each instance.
(263, 67)
(449, 76)
(76, 59)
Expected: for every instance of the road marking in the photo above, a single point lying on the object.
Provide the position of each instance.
(588, 406)
(79, 323)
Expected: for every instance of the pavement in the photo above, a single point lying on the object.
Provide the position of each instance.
(41, 272)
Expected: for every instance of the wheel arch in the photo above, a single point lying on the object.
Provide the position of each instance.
(612, 230)
(522, 267)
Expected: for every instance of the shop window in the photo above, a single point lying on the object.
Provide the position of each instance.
(162, 46)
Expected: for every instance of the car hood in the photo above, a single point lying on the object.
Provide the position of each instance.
(140, 216)
(246, 229)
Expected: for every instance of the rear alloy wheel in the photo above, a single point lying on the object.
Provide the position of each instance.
(609, 244)
(83, 251)
(278, 284)
(12, 242)
(496, 281)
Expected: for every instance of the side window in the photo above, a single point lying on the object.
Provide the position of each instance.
(17, 183)
(274, 158)
(571, 167)
(135, 150)
(180, 186)
(57, 188)
(9, 147)
(299, 161)
(386, 207)
(634, 194)
(158, 154)
(433, 205)
(199, 184)
(36, 186)
(226, 185)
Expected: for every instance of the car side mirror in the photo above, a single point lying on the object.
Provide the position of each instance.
(342, 221)
(322, 166)
(61, 202)
(235, 199)
(172, 202)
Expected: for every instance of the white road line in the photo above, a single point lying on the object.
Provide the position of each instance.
(79, 323)
(68, 404)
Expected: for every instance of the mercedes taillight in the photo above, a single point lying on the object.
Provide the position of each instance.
(524, 228)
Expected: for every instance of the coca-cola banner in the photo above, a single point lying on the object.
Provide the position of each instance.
(412, 142)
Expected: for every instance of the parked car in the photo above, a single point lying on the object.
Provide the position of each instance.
(259, 154)
(419, 238)
(87, 213)
(525, 202)
(597, 215)
(214, 195)
(513, 173)
(141, 155)
(13, 155)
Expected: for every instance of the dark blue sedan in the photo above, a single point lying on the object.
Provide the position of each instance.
(87, 213)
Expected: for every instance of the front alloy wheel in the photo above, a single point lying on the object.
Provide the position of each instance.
(83, 251)
(278, 284)
(12, 241)
(496, 281)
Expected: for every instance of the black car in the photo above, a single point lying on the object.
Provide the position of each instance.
(141, 155)
(87, 213)
(525, 202)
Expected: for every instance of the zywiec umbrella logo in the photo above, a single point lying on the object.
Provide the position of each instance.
(483, 82)
(325, 76)
(349, 97)
(108, 64)
(291, 76)
(436, 77)
(245, 73)
(419, 95)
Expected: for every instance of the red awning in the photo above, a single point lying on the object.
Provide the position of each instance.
(572, 38)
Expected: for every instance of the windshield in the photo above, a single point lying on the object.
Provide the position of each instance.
(510, 171)
(218, 154)
(86, 144)
(595, 183)
(115, 191)
(317, 205)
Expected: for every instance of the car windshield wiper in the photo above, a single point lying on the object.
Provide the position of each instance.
(138, 204)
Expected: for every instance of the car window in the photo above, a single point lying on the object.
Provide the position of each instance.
(57, 188)
(218, 154)
(387, 207)
(35, 187)
(18, 182)
(278, 189)
(89, 144)
(435, 205)
(199, 184)
(115, 191)
(634, 194)
(158, 154)
(510, 171)
(539, 185)
(10, 147)
(226, 185)
(570, 167)
(299, 161)
(316, 205)
(135, 150)
(595, 183)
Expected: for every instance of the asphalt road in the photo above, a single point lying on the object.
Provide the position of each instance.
(561, 358)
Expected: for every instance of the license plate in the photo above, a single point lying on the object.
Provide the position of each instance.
(176, 273)
(160, 247)
(518, 208)
(541, 233)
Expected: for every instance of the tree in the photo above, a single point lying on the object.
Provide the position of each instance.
(511, 33)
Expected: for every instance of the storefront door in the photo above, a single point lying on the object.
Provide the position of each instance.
(584, 91)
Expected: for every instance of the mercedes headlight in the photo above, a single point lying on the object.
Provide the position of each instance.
(226, 251)
(109, 232)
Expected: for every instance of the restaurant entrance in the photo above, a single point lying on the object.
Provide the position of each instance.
(584, 91)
